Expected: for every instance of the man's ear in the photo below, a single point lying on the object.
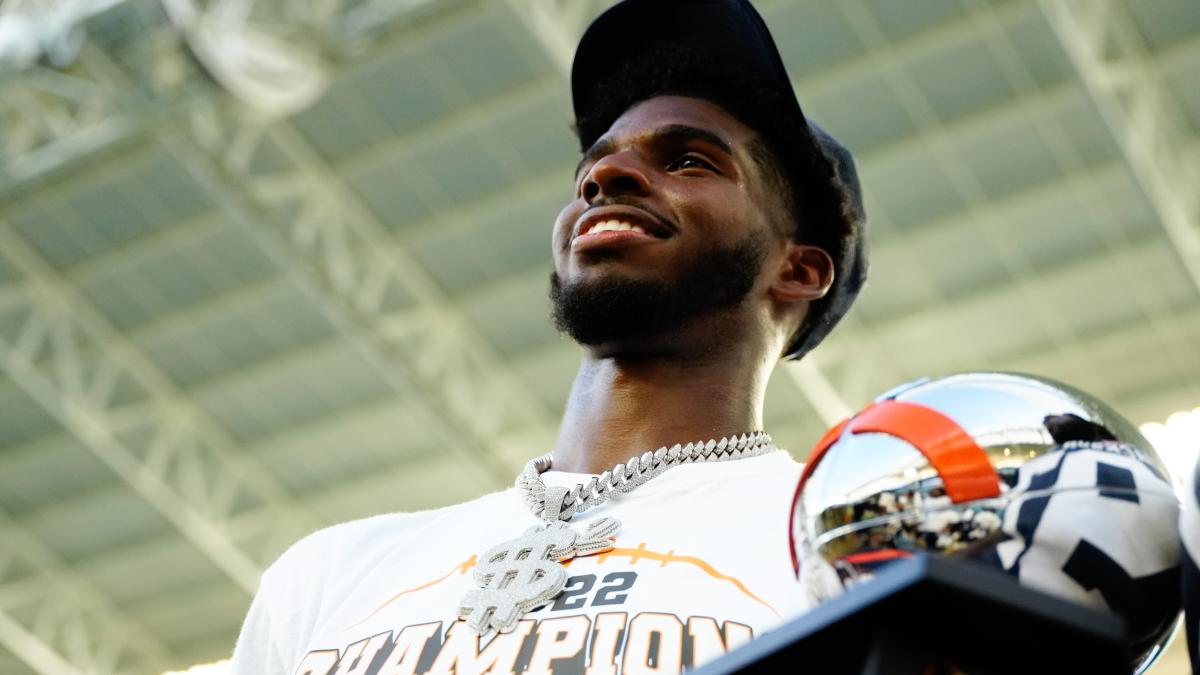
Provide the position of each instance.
(805, 273)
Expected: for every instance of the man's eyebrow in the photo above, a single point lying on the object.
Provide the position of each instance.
(670, 132)
(684, 132)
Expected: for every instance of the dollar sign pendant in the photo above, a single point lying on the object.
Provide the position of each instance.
(525, 573)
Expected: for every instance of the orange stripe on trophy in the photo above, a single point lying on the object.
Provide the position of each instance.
(964, 467)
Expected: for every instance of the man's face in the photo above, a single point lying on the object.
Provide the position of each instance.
(671, 221)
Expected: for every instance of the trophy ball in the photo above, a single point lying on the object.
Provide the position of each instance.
(1014, 472)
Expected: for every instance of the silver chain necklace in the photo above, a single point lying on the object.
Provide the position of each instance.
(522, 574)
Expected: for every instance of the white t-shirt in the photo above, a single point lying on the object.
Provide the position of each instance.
(700, 565)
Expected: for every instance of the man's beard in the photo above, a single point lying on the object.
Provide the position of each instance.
(620, 310)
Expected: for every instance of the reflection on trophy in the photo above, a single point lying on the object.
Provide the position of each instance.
(1008, 471)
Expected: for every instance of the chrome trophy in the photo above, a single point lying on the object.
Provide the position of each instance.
(1015, 472)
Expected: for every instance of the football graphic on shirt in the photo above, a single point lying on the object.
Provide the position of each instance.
(1018, 473)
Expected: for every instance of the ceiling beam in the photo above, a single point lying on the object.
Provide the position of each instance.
(54, 620)
(56, 118)
(961, 177)
(1034, 105)
(1049, 99)
(422, 473)
(310, 221)
(576, 13)
(557, 25)
(1056, 137)
(454, 124)
(1133, 97)
(135, 253)
(946, 318)
(921, 44)
(184, 465)
(204, 312)
(163, 329)
(1112, 340)
(320, 233)
(53, 119)
(288, 446)
(1081, 266)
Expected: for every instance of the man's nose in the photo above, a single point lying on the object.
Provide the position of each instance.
(620, 173)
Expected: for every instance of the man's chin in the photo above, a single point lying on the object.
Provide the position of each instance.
(609, 305)
(610, 309)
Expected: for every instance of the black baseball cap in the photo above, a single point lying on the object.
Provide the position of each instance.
(721, 51)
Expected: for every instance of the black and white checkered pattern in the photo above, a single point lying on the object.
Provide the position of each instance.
(1093, 523)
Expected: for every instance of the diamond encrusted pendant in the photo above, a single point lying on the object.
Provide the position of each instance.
(525, 573)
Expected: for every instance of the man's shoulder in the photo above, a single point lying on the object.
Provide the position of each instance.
(332, 546)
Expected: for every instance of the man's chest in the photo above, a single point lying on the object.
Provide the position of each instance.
(667, 596)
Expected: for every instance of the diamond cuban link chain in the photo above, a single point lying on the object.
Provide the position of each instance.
(524, 573)
(629, 475)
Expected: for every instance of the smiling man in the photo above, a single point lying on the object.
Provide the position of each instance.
(712, 232)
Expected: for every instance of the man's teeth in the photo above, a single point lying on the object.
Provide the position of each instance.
(615, 226)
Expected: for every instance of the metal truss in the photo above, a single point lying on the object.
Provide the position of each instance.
(312, 223)
(51, 119)
(557, 25)
(61, 352)
(1146, 120)
(314, 227)
(1157, 320)
(168, 450)
(337, 250)
(321, 234)
(963, 180)
(56, 622)
(53, 116)
(1115, 340)
(66, 356)
(176, 458)
(991, 299)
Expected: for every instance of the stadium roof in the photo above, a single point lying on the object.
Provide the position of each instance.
(221, 328)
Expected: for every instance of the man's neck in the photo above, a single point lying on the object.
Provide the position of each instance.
(621, 407)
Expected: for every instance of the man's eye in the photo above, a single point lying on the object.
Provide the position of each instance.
(689, 162)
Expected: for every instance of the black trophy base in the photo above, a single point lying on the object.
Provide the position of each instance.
(932, 616)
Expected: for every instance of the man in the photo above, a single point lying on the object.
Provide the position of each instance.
(712, 232)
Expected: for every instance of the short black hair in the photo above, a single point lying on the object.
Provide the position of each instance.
(814, 197)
